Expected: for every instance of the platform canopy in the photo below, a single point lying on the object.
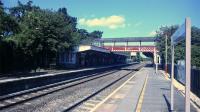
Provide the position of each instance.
(86, 48)
(82, 48)
(128, 39)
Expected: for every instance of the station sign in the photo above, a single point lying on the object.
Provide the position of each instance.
(183, 33)
(179, 35)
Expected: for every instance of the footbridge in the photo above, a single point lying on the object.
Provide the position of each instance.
(125, 44)
(128, 46)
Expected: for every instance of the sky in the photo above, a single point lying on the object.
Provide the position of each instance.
(124, 18)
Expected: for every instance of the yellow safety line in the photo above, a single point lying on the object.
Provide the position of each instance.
(141, 97)
(116, 90)
(166, 76)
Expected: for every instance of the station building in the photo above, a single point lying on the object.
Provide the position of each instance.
(89, 55)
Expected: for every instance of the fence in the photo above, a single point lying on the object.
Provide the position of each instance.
(195, 78)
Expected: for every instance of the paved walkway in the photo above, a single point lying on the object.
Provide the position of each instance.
(156, 96)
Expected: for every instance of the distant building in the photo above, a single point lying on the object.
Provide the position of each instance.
(88, 55)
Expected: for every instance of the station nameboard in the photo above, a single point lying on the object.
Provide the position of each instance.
(179, 35)
(183, 33)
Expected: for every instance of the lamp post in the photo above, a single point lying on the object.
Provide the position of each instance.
(155, 58)
(166, 54)
(172, 80)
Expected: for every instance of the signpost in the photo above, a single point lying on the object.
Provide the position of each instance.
(166, 55)
(184, 32)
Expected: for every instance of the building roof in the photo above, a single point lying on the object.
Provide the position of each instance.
(128, 39)
(82, 48)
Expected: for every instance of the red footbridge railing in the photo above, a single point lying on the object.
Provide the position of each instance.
(131, 48)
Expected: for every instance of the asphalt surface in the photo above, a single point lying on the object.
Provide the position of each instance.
(157, 95)
(64, 98)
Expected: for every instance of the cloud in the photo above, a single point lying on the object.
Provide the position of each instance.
(111, 22)
(138, 24)
(153, 33)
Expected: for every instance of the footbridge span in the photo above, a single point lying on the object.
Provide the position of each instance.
(125, 44)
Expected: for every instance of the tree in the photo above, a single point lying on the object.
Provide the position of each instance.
(195, 46)
(96, 34)
(72, 21)
(19, 11)
(180, 47)
(1, 4)
(31, 37)
(89, 38)
(161, 33)
(42, 37)
(8, 25)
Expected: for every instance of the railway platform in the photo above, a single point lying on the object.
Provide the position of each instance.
(146, 91)
(4, 79)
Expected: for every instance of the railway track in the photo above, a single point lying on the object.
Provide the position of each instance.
(33, 94)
